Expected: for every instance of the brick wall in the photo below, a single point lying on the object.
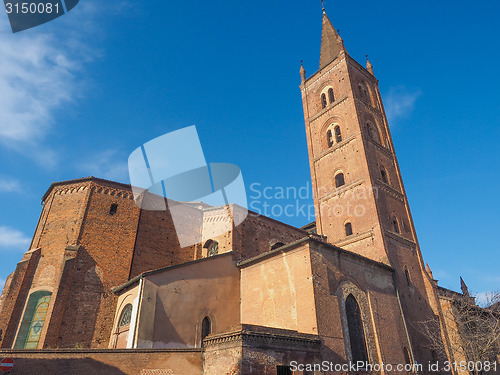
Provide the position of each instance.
(106, 362)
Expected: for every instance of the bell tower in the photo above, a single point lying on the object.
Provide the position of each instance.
(359, 197)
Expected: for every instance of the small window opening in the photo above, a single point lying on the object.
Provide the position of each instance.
(113, 209)
(395, 225)
(348, 229)
(339, 180)
(323, 100)
(283, 370)
(330, 95)
(383, 174)
(407, 275)
(329, 137)
(206, 328)
(338, 134)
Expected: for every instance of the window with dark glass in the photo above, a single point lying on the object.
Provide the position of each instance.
(329, 137)
(323, 100)
(348, 229)
(113, 209)
(395, 225)
(339, 180)
(331, 97)
(356, 332)
(383, 174)
(338, 134)
(206, 328)
(407, 275)
(284, 370)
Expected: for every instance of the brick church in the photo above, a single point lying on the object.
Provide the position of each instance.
(106, 288)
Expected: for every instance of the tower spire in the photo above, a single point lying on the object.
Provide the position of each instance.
(369, 66)
(463, 286)
(331, 43)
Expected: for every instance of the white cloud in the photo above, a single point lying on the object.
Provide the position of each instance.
(39, 75)
(108, 164)
(9, 185)
(35, 79)
(2, 283)
(13, 239)
(400, 102)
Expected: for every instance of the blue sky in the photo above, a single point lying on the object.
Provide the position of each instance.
(79, 94)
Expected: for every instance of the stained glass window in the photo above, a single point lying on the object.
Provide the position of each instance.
(126, 316)
(33, 321)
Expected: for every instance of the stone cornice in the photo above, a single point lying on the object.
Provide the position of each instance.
(390, 190)
(319, 74)
(412, 245)
(70, 186)
(328, 108)
(355, 238)
(248, 337)
(385, 150)
(335, 147)
(341, 190)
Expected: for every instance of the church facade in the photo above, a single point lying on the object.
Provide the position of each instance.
(106, 287)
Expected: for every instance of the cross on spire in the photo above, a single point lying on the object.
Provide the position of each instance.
(323, 5)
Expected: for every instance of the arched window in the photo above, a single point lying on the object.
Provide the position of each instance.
(339, 180)
(373, 132)
(356, 332)
(348, 229)
(212, 248)
(338, 134)
(383, 174)
(331, 97)
(206, 328)
(362, 92)
(277, 245)
(395, 225)
(329, 137)
(323, 100)
(33, 320)
(126, 316)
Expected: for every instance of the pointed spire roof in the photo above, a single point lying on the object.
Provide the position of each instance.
(369, 66)
(463, 286)
(331, 43)
(302, 72)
